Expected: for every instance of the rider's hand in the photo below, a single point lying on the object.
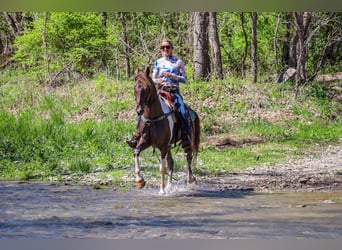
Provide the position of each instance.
(171, 75)
(168, 74)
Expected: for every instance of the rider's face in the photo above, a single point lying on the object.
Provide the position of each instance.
(166, 49)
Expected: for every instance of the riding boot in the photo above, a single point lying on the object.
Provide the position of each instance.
(134, 141)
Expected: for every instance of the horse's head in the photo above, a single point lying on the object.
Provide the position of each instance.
(144, 90)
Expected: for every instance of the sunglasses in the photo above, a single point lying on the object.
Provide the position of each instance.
(165, 47)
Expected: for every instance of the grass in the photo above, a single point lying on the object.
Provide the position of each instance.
(81, 127)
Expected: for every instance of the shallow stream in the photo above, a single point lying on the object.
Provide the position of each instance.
(45, 210)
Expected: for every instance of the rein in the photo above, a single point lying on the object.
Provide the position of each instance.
(157, 119)
(151, 101)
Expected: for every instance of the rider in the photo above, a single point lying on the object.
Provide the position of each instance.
(170, 70)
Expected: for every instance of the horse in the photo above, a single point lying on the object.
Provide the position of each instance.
(158, 129)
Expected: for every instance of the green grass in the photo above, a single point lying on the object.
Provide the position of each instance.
(81, 127)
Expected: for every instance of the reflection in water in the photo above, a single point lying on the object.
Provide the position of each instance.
(43, 210)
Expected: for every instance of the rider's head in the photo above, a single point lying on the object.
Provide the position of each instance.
(166, 47)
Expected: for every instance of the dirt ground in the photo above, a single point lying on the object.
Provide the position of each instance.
(321, 171)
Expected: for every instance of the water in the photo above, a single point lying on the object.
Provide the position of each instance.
(44, 210)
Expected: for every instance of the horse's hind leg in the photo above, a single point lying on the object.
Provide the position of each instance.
(191, 177)
(170, 164)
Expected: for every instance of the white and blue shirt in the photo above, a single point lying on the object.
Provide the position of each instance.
(171, 64)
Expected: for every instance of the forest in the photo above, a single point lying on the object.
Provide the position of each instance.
(57, 46)
(266, 85)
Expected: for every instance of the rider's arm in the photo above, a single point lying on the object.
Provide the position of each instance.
(181, 77)
(155, 74)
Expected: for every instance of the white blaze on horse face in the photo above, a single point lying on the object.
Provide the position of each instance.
(166, 109)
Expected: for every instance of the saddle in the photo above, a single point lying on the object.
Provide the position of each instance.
(169, 98)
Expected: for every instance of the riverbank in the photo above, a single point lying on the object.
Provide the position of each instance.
(318, 171)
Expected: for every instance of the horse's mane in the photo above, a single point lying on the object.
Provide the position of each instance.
(143, 78)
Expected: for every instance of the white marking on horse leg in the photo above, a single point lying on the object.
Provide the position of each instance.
(138, 177)
(171, 126)
(169, 182)
(162, 175)
(170, 165)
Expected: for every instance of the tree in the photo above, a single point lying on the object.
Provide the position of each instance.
(211, 44)
(286, 40)
(14, 21)
(215, 46)
(126, 44)
(302, 22)
(243, 60)
(12, 25)
(70, 43)
(254, 64)
(201, 45)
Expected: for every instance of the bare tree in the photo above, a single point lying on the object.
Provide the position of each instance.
(201, 45)
(14, 21)
(127, 47)
(302, 22)
(286, 40)
(104, 19)
(244, 56)
(275, 43)
(215, 46)
(254, 61)
(45, 46)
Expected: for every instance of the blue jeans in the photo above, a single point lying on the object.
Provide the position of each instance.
(181, 109)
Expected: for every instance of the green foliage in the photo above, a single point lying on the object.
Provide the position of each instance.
(79, 44)
(74, 39)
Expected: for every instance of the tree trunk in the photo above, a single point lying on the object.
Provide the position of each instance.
(2, 46)
(45, 46)
(244, 56)
(287, 41)
(275, 44)
(302, 22)
(201, 46)
(104, 19)
(254, 61)
(215, 46)
(125, 39)
(14, 22)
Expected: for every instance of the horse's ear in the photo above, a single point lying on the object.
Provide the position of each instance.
(136, 71)
(147, 70)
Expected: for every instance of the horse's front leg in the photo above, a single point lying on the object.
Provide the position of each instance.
(162, 175)
(164, 156)
(170, 164)
(139, 180)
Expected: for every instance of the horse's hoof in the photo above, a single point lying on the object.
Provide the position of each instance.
(140, 184)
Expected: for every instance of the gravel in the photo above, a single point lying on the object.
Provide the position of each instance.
(321, 171)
